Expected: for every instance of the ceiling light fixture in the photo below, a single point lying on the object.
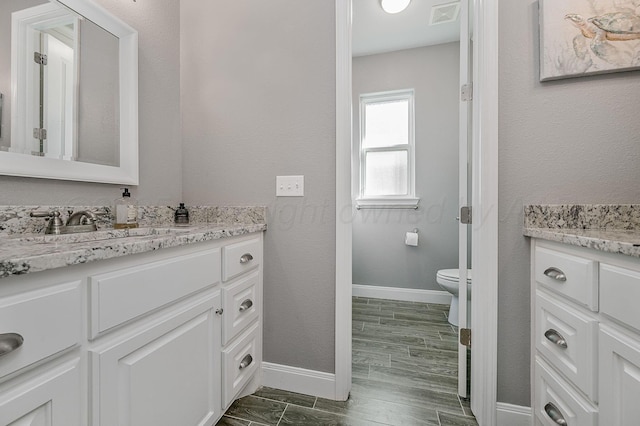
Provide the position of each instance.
(394, 6)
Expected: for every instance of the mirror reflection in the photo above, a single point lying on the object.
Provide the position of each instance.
(61, 90)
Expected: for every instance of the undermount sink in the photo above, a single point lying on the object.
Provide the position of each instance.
(107, 234)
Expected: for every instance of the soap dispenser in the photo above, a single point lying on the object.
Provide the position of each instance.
(126, 211)
(181, 216)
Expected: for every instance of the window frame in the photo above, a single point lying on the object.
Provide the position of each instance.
(387, 201)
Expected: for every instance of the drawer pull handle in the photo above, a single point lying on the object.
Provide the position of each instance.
(246, 361)
(9, 342)
(219, 311)
(246, 305)
(555, 273)
(246, 258)
(554, 414)
(556, 338)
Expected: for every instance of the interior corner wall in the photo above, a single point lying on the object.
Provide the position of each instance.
(159, 119)
(258, 100)
(567, 141)
(380, 257)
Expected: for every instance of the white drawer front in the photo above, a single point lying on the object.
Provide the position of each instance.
(241, 305)
(556, 399)
(567, 339)
(239, 363)
(619, 294)
(121, 296)
(241, 257)
(48, 320)
(572, 276)
(619, 377)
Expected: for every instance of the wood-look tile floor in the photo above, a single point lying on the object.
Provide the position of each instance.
(405, 366)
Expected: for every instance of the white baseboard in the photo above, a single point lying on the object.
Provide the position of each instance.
(512, 415)
(300, 380)
(404, 294)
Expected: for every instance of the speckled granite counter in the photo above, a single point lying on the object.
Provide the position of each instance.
(604, 227)
(22, 253)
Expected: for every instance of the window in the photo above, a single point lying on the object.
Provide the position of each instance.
(386, 150)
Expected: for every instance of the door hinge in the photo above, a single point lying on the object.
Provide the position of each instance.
(465, 215)
(40, 134)
(465, 337)
(39, 58)
(466, 92)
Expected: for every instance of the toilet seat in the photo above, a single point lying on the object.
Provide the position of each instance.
(452, 275)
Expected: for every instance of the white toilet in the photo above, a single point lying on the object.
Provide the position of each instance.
(448, 280)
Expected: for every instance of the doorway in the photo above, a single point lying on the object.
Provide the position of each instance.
(484, 232)
(407, 151)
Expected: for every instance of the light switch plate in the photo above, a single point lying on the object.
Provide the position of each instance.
(289, 186)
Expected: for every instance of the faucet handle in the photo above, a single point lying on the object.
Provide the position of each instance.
(55, 224)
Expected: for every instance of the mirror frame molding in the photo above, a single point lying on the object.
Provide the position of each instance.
(14, 164)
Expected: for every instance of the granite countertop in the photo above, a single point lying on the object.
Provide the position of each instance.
(24, 248)
(33, 253)
(603, 227)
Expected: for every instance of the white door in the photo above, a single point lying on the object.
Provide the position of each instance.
(135, 387)
(464, 156)
(49, 399)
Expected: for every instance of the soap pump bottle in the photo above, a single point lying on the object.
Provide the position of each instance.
(126, 211)
(181, 216)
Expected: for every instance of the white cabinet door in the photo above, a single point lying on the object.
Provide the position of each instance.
(619, 378)
(49, 399)
(165, 374)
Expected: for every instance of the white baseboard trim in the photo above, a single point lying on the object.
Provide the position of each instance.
(403, 294)
(512, 415)
(300, 380)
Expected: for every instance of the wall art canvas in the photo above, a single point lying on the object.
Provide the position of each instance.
(584, 37)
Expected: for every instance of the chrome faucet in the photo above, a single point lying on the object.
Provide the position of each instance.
(80, 221)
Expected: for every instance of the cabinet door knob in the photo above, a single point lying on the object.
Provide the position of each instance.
(246, 305)
(556, 338)
(246, 361)
(555, 273)
(554, 414)
(219, 311)
(9, 342)
(246, 258)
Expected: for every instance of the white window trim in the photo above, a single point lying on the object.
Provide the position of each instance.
(409, 201)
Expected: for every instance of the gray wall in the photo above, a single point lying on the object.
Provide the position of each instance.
(99, 96)
(159, 93)
(570, 141)
(380, 256)
(258, 100)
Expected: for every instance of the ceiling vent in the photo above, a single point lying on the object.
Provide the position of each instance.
(444, 13)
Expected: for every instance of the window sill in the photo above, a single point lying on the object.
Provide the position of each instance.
(387, 203)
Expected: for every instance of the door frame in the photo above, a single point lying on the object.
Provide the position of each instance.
(484, 252)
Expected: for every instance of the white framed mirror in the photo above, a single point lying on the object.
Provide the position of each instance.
(73, 94)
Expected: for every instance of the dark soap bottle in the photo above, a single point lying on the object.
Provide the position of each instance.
(181, 216)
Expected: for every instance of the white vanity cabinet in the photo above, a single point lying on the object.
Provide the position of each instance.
(585, 336)
(160, 338)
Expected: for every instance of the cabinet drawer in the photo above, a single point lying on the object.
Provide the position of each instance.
(567, 339)
(555, 398)
(239, 363)
(121, 296)
(241, 305)
(619, 361)
(241, 257)
(48, 320)
(572, 276)
(619, 294)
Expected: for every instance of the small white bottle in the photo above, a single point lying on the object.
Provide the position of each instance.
(126, 211)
